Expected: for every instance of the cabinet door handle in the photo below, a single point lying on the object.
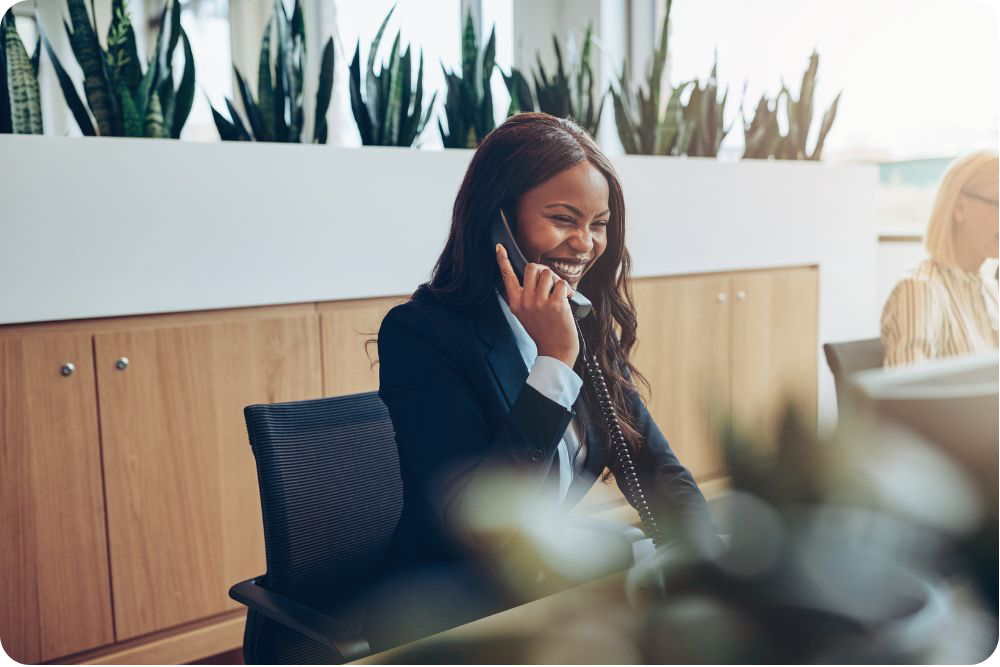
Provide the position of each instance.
(67, 369)
(721, 297)
(122, 363)
(741, 295)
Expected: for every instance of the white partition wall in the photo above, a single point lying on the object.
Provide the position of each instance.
(104, 227)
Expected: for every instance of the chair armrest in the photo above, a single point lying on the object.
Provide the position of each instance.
(305, 620)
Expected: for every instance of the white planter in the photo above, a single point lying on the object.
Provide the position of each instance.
(103, 227)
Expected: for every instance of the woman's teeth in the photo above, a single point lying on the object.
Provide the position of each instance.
(567, 269)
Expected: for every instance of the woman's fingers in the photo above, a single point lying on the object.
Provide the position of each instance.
(562, 290)
(510, 282)
(543, 288)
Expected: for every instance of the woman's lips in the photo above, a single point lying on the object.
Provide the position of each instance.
(568, 270)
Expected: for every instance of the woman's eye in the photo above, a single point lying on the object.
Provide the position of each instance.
(601, 223)
(562, 218)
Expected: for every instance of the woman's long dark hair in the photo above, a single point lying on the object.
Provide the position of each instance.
(520, 154)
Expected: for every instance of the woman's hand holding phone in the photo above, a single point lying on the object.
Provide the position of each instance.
(541, 306)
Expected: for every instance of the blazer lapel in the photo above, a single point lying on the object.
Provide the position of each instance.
(502, 355)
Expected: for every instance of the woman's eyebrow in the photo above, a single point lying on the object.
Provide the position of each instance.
(575, 209)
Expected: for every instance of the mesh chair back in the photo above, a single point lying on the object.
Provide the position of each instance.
(330, 491)
(851, 357)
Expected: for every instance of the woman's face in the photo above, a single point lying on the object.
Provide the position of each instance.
(977, 224)
(563, 222)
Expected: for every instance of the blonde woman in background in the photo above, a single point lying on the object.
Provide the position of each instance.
(946, 306)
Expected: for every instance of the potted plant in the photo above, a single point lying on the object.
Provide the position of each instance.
(386, 110)
(124, 100)
(277, 114)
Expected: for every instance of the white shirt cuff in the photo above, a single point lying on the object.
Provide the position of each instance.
(555, 380)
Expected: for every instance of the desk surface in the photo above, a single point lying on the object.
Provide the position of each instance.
(581, 625)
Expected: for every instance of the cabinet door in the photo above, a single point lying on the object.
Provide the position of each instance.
(347, 357)
(683, 351)
(55, 598)
(184, 517)
(774, 348)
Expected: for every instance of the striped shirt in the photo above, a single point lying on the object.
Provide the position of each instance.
(939, 311)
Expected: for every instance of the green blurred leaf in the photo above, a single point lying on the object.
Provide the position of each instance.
(323, 93)
(184, 98)
(73, 100)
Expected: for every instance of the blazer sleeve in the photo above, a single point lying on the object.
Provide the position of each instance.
(674, 498)
(441, 428)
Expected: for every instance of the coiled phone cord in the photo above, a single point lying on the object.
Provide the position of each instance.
(636, 496)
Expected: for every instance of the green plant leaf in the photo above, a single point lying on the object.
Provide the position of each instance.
(227, 131)
(25, 101)
(470, 49)
(238, 122)
(184, 98)
(374, 99)
(250, 107)
(153, 122)
(265, 90)
(133, 124)
(825, 125)
(6, 126)
(358, 107)
(125, 51)
(323, 93)
(387, 90)
(36, 55)
(73, 100)
(173, 27)
(90, 57)
(401, 116)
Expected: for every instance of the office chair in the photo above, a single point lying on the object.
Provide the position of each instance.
(331, 496)
(850, 357)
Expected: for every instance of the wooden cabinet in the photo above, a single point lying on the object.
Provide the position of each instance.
(182, 501)
(726, 348)
(55, 595)
(773, 348)
(347, 327)
(683, 350)
(129, 501)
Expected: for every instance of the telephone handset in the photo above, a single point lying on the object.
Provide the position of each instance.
(578, 303)
(581, 307)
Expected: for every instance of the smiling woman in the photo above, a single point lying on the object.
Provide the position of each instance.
(482, 373)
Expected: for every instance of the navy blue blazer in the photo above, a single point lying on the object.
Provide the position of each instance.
(453, 381)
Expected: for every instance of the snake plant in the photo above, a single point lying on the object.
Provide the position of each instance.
(386, 110)
(278, 114)
(563, 94)
(641, 127)
(124, 100)
(20, 102)
(469, 101)
(763, 137)
(799, 113)
(762, 134)
(704, 111)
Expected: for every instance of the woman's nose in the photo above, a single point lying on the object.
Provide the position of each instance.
(581, 240)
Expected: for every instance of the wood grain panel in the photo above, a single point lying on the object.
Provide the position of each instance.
(187, 644)
(683, 350)
(55, 595)
(346, 325)
(774, 348)
(183, 505)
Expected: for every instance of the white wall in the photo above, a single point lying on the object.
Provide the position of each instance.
(192, 226)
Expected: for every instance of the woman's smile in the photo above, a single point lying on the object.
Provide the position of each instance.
(568, 268)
